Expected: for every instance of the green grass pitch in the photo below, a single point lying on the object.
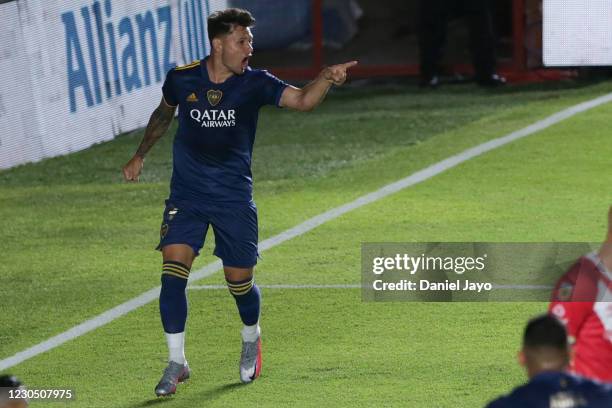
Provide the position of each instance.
(77, 241)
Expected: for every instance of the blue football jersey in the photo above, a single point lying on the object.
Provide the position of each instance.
(213, 145)
(557, 390)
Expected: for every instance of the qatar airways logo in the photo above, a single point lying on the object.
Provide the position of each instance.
(214, 118)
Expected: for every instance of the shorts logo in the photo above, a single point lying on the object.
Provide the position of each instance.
(214, 96)
(192, 98)
(163, 231)
(172, 213)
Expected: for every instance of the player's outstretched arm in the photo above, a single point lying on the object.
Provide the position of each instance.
(309, 97)
(158, 124)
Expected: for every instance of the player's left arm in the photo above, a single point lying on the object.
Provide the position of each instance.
(158, 125)
(309, 97)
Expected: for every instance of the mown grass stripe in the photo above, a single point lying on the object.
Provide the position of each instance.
(356, 286)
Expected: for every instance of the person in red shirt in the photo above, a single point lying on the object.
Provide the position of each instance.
(582, 300)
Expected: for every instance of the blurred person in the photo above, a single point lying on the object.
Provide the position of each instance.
(582, 300)
(8, 385)
(434, 16)
(545, 355)
(219, 99)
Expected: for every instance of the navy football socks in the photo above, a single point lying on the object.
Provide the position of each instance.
(172, 298)
(248, 300)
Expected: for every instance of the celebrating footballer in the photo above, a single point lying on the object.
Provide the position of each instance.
(218, 100)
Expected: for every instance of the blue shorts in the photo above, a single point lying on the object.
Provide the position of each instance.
(234, 225)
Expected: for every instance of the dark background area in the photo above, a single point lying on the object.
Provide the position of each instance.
(387, 34)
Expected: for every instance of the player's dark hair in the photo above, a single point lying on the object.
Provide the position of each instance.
(9, 381)
(545, 331)
(223, 22)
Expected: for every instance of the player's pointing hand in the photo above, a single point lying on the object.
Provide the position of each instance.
(336, 74)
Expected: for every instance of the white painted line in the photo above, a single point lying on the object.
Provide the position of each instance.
(523, 287)
(306, 286)
(353, 286)
(308, 225)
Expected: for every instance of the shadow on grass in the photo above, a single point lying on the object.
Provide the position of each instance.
(216, 392)
(152, 402)
(208, 395)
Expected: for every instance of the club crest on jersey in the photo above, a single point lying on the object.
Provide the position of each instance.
(192, 97)
(214, 96)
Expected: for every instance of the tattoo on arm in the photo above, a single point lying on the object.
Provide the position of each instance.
(158, 124)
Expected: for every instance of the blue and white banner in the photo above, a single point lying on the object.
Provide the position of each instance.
(78, 72)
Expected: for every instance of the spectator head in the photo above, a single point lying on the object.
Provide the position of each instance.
(545, 346)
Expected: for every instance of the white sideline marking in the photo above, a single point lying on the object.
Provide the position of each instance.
(306, 286)
(308, 225)
(351, 286)
(523, 287)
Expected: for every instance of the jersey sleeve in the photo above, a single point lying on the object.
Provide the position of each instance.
(272, 89)
(574, 295)
(169, 89)
(501, 402)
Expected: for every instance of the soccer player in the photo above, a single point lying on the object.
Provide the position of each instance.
(582, 299)
(219, 99)
(545, 356)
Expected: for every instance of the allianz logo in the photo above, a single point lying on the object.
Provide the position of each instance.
(108, 55)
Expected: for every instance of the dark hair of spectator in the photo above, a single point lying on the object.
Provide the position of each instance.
(9, 381)
(223, 22)
(545, 331)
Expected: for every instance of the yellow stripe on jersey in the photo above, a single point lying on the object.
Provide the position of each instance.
(190, 65)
